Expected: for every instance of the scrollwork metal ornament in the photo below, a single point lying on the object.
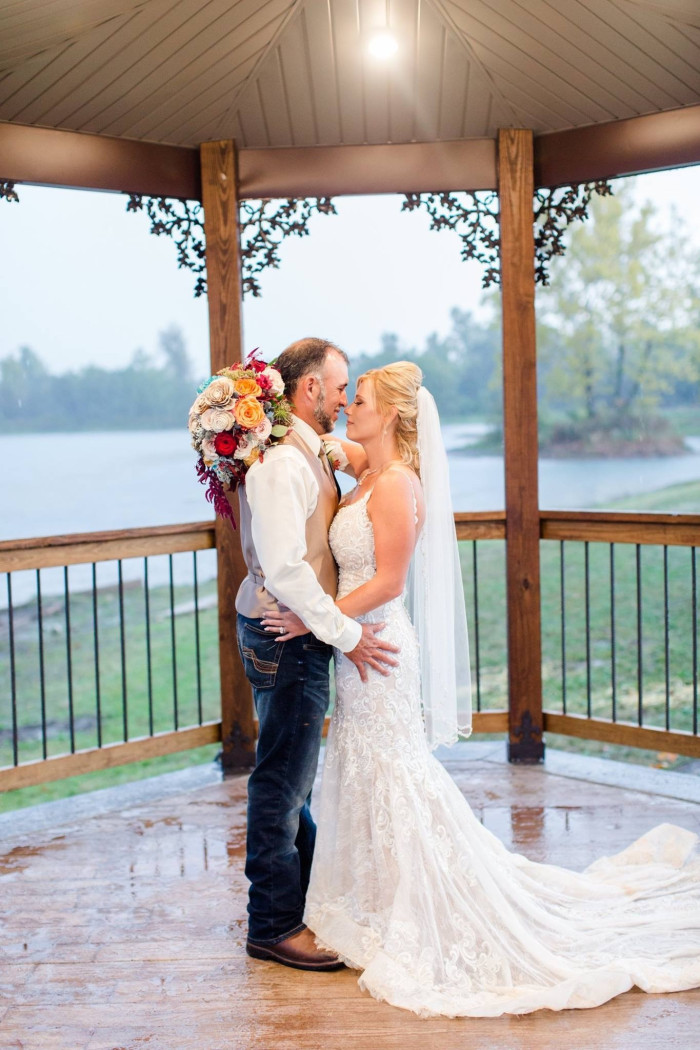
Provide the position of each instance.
(183, 222)
(8, 191)
(264, 224)
(554, 211)
(475, 218)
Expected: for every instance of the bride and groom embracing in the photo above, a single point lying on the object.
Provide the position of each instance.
(400, 880)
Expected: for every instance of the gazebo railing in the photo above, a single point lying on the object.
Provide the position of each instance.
(109, 641)
(620, 628)
(108, 650)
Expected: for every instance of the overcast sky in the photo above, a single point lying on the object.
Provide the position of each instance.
(82, 281)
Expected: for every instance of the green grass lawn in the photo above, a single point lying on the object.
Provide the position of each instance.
(150, 702)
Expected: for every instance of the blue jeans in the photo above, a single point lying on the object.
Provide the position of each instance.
(291, 692)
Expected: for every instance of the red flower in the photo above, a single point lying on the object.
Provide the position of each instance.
(225, 443)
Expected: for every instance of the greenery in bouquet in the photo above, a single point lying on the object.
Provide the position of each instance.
(237, 414)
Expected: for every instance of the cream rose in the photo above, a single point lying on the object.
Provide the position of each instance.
(276, 381)
(218, 393)
(248, 411)
(246, 387)
(246, 446)
(217, 419)
(209, 449)
(263, 429)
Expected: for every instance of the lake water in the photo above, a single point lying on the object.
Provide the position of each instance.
(52, 484)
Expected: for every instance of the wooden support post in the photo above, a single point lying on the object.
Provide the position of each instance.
(516, 188)
(220, 200)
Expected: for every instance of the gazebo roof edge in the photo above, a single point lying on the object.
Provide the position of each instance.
(48, 156)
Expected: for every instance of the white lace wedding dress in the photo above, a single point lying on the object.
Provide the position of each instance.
(408, 887)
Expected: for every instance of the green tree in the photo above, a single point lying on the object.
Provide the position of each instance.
(618, 326)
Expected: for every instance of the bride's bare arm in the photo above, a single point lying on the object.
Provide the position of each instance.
(391, 511)
(353, 460)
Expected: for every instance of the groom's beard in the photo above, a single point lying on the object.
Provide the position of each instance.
(321, 415)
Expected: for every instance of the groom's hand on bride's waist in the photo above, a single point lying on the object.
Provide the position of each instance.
(372, 652)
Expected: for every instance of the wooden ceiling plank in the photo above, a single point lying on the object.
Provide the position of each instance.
(455, 77)
(113, 58)
(499, 46)
(295, 75)
(431, 35)
(548, 26)
(477, 105)
(40, 78)
(648, 32)
(377, 74)
(349, 69)
(321, 69)
(183, 58)
(647, 75)
(29, 29)
(274, 101)
(193, 90)
(402, 86)
(201, 102)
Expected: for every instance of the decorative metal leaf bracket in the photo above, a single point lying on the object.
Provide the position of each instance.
(263, 226)
(475, 217)
(183, 222)
(8, 192)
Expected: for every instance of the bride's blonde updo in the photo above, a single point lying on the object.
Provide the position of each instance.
(396, 386)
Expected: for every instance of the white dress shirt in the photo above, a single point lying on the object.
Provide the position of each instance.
(282, 493)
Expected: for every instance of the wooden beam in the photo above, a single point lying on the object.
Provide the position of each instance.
(97, 162)
(90, 761)
(220, 200)
(621, 147)
(651, 738)
(515, 182)
(330, 171)
(663, 529)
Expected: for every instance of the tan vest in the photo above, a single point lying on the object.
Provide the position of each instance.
(253, 599)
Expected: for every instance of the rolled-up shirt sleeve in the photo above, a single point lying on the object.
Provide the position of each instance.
(282, 494)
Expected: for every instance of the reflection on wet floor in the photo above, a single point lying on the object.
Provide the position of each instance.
(127, 929)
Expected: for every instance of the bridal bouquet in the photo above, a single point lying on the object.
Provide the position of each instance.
(236, 416)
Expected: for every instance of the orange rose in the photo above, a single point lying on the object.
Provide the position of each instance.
(248, 411)
(246, 387)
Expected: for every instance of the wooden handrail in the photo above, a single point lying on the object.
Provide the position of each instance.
(679, 530)
(85, 547)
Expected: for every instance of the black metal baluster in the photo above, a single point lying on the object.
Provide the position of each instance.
(197, 650)
(667, 662)
(42, 668)
(587, 586)
(96, 651)
(694, 617)
(613, 672)
(173, 641)
(562, 594)
(149, 664)
(69, 658)
(13, 670)
(122, 644)
(475, 571)
(640, 676)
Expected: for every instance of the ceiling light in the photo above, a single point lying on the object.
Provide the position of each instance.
(383, 45)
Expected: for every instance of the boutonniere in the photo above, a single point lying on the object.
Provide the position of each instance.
(335, 454)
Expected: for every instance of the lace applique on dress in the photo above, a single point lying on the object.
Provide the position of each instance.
(440, 918)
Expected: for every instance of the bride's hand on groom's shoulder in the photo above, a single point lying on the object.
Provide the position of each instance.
(372, 652)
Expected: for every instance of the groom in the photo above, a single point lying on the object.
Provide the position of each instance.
(286, 509)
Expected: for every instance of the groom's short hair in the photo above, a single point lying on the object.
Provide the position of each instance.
(303, 358)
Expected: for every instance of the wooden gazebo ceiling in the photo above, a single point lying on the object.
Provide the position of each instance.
(280, 73)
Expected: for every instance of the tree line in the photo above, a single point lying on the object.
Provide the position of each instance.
(618, 346)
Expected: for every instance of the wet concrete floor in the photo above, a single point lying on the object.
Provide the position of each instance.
(125, 929)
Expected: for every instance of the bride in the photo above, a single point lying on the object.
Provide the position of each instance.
(406, 885)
